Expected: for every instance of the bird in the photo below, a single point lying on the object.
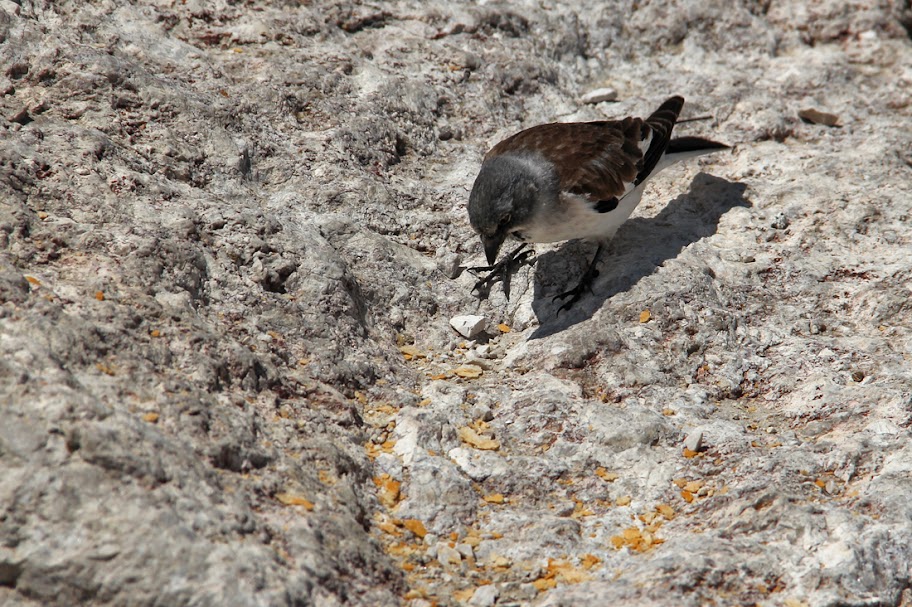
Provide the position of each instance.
(572, 180)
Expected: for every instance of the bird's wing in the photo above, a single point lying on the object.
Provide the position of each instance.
(602, 160)
(598, 159)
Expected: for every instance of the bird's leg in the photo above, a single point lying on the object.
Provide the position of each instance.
(502, 270)
(585, 283)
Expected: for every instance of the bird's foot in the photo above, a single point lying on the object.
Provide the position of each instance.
(501, 270)
(576, 293)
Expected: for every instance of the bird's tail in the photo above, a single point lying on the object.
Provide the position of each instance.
(682, 148)
(660, 122)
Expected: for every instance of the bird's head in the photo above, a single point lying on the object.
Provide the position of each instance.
(503, 199)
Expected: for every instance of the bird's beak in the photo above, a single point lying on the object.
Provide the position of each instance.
(491, 247)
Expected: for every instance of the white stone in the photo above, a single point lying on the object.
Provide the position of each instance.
(447, 556)
(406, 434)
(599, 95)
(485, 596)
(468, 325)
(694, 440)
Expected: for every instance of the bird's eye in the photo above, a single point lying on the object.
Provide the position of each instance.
(506, 219)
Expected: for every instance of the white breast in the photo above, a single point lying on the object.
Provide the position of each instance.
(574, 217)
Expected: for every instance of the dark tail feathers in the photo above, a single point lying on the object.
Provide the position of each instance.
(661, 122)
(682, 145)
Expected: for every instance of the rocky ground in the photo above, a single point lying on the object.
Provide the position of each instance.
(232, 238)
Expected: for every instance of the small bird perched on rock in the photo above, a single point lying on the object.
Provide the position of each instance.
(563, 181)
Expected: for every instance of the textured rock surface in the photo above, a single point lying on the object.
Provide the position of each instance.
(231, 241)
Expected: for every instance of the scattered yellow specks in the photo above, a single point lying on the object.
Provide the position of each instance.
(472, 538)
(410, 352)
(693, 486)
(105, 368)
(580, 510)
(389, 528)
(544, 583)
(494, 498)
(635, 539)
(42, 215)
(415, 526)
(303, 361)
(384, 408)
(690, 453)
(567, 572)
(480, 425)
(608, 477)
(468, 371)
(33, 280)
(154, 333)
(687, 495)
(373, 450)
(473, 438)
(503, 328)
(649, 517)
(680, 482)
(624, 500)
(667, 412)
(151, 417)
(387, 490)
(464, 595)
(645, 316)
(498, 562)
(562, 571)
(589, 561)
(425, 402)
(291, 499)
(99, 295)
(666, 511)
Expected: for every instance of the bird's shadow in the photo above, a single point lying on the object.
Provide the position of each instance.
(640, 246)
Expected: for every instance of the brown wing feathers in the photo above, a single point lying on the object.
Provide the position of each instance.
(598, 159)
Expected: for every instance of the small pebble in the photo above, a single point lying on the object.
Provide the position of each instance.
(447, 556)
(449, 264)
(694, 440)
(780, 221)
(485, 596)
(599, 95)
(813, 116)
(469, 325)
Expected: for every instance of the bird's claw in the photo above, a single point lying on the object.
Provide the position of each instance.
(500, 270)
(576, 293)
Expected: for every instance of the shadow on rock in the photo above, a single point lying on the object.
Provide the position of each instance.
(640, 246)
